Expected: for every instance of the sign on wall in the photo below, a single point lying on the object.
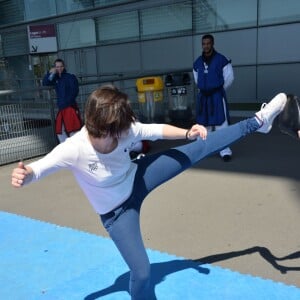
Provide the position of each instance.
(42, 38)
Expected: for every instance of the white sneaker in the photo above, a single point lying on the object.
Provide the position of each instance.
(269, 111)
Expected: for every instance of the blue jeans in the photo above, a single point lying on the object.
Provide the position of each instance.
(123, 223)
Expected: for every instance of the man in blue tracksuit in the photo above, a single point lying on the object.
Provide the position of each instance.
(213, 74)
(68, 119)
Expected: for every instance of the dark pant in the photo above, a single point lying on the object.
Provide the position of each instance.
(123, 224)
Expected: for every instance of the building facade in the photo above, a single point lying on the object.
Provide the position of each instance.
(120, 41)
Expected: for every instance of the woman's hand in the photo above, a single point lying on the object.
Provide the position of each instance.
(196, 131)
(20, 174)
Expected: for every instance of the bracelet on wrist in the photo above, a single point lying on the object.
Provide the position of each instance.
(187, 134)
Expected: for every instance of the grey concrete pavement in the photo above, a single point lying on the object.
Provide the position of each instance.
(242, 215)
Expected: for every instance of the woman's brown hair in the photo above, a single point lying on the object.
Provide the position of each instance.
(108, 112)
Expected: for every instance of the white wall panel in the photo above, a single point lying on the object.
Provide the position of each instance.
(167, 54)
(278, 78)
(278, 44)
(119, 58)
(88, 61)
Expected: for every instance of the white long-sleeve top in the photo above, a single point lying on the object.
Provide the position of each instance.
(105, 179)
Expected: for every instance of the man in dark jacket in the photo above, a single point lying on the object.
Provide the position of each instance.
(68, 119)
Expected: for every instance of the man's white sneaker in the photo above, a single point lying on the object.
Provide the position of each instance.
(269, 111)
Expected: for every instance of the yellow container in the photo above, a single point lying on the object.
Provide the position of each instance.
(150, 84)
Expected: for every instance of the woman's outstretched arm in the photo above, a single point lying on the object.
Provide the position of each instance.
(172, 132)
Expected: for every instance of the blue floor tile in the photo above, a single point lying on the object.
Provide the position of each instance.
(45, 261)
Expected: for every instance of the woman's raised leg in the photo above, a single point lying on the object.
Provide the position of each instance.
(155, 169)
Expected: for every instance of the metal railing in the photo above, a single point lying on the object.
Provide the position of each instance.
(27, 116)
(26, 130)
(27, 120)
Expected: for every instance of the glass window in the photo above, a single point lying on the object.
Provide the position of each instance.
(166, 20)
(11, 11)
(1, 47)
(118, 27)
(275, 11)
(66, 6)
(15, 43)
(77, 34)
(19, 72)
(216, 15)
(36, 9)
(110, 2)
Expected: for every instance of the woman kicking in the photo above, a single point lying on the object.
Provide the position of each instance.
(98, 156)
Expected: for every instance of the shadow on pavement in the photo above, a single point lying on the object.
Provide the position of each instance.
(158, 271)
(263, 251)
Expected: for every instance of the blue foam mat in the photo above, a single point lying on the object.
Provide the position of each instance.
(45, 261)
